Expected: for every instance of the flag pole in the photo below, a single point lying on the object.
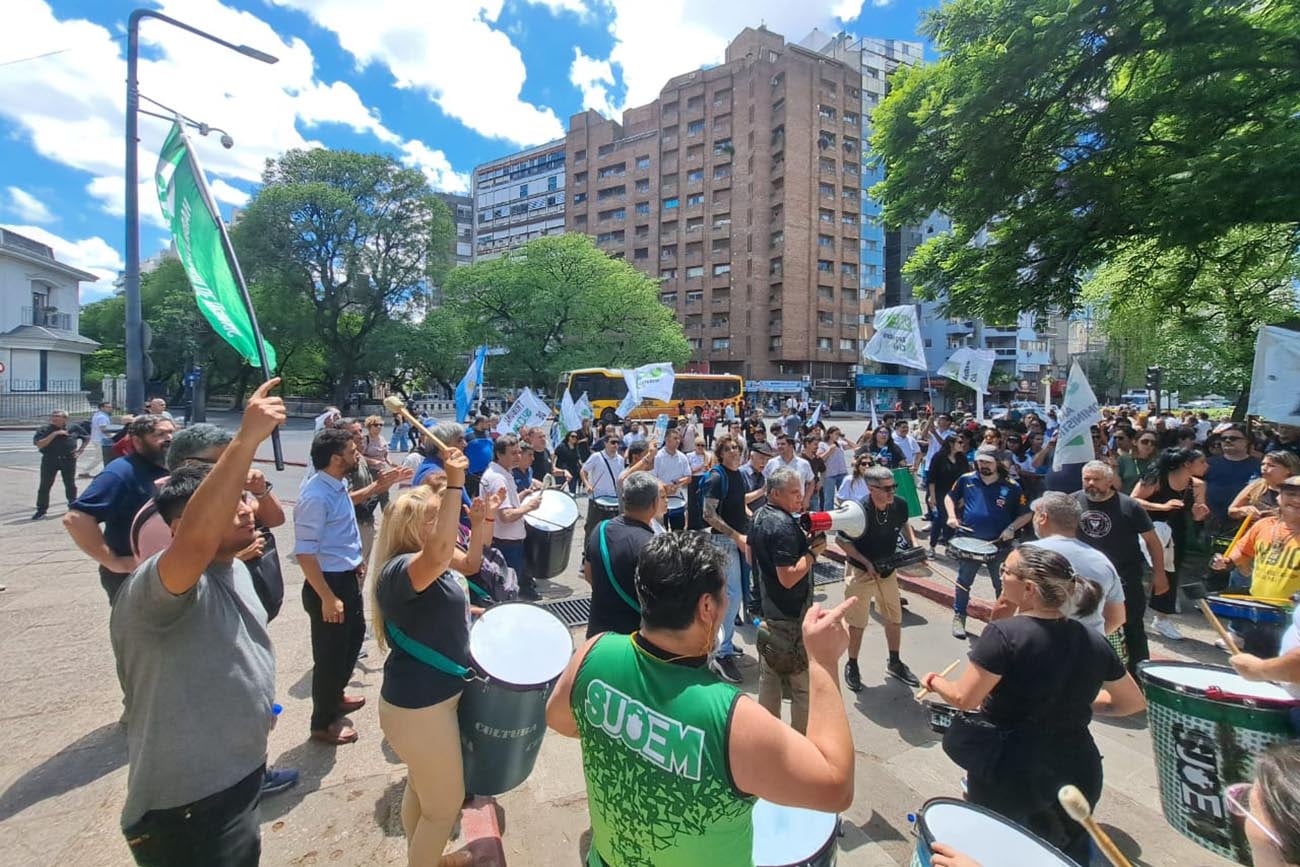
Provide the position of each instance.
(229, 250)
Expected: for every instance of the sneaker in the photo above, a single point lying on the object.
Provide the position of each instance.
(725, 667)
(902, 672)
(958, 626)
(902, 600)
(278, 780)
(40, 513)
(1166, 628)
(852, 677)
(1218, 642)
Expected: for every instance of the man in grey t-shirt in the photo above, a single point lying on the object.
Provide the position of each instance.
(196, 667)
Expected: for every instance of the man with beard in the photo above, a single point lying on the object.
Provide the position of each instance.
(327, 541)
(993, 509)
(114, 497)
(1113, 523)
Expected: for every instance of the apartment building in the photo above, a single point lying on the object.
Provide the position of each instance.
(462, 211)
(518, 198)
(740, 188)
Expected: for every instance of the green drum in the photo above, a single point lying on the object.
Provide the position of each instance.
(1207, 726)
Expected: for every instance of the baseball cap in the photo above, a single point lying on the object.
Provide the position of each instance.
(762, 449)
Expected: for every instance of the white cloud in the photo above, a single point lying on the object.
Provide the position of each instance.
(847, 10)
(449, 50)
(697, 34)
(593, 78)
(92, 254)
(71, 105)
(577, 7)
(28, 207)
(436, 168)
(224, 192)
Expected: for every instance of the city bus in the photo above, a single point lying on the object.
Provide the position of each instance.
(606, 389)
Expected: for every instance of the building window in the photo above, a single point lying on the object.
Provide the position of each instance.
(669, 299)
(641, 253)
(643, 185)
(824, 265)
(667, 252)
(694, 224)
(724, 268)
(850, 220)
(695, 199)
(721, 245)
(694, 272)
(610, 193)
(825, 293)
(826, 190)
(695, 342)
(721, 343)
(825, 241)
(694, 175)
(643, 208)
(669, 274)
(580, 177)
(720, 172)
(776, 239)
(846, 344)
(775, 267)
(723, 145)
(612, 171)
(670, 204)
(694, 128)
(579, 198)
(823, 343)
(552, 182)
(523, 191)
(696, 297)
(848, 270)
(643, 162)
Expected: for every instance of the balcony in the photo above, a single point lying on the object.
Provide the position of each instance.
(47, 317)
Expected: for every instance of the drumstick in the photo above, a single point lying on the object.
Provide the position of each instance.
(1241, 531)
(395, 405)
(924, 691)
(1076, 807)
(1218, 627)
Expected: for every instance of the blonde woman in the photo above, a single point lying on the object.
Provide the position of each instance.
(417, 600)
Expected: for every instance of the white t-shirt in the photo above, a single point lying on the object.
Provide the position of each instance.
(670, 469)
(496, 478)
(411, 462)
(908, 446)
(937, 439)
(599, 467)
(836, 458)
(1088, 562)
(798, 464)
(853, 489)
(97, 422)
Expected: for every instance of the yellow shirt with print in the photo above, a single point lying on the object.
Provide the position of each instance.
(1276, 554)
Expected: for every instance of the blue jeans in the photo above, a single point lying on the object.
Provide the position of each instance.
(830, 485)
(966, 570)
(735, 594)
(513, 551)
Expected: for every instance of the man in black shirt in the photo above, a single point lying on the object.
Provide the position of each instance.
(783, 562)
(612, 551)
(886, 532)
(1112, 523)
(59, 447)
(755, 498)
(725, 513)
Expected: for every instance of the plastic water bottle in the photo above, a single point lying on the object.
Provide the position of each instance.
(276, 710)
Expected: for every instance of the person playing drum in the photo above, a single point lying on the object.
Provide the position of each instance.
(673, 468)
(612, 552)
(992, 508)
(673, 757)
(1269, 553)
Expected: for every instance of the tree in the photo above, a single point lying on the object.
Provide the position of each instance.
(559, 303)
(357, 236)
(416, 354)
(1059, 133)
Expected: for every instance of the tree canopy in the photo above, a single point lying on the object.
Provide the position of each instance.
(1059, 134)
(559, 303)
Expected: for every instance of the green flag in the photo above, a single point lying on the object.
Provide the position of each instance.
(204, 247)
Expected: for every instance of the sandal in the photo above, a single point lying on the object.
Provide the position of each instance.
(337, 735)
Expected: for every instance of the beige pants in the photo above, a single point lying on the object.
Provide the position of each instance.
(367, 530)
(771, 686)
(428, 741)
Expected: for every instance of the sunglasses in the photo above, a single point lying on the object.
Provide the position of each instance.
(1238, 797)
(883, 487)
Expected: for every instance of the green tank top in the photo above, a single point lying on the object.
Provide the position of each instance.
(654, 753)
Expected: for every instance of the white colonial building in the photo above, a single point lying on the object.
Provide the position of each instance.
(40, 347)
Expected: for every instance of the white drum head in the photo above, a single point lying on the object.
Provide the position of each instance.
(606, 502)
(987, 839)
(675, 502)
(789, 835)
(558, 511)
(972, 546)
(520, 644)
(1201, 678)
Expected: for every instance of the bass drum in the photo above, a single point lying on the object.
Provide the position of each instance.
(549, 534)
(794, 837)
(981, 835)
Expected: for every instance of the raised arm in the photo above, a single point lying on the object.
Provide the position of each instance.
(432, 560)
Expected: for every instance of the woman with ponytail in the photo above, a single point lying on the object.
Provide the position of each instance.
(1037, 679)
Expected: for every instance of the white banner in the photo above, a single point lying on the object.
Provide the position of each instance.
(651, 381)
(629, 403)
(1079, 412)
(897, 339)
(527, 409)
(583, 406)
(569, 418)
(1274, 385)
(970, 367)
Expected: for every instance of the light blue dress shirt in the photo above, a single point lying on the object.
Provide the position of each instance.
(325, 524)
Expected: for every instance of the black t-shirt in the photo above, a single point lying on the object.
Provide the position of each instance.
(59, 448)
(730, 496)
(943, 473)
(542, 465)
(884, 532)
(776, 539)
(609, 611)
(437, 617)
(1051, 670)
(1113, 528)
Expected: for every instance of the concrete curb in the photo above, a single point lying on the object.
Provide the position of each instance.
(936, 591)
(480, 833)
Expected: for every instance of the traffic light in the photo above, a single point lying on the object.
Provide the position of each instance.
(1153, 378)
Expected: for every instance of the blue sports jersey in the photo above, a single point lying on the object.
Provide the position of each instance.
(988, 509)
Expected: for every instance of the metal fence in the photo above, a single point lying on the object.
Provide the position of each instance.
(47, 317)
(58, 386)
(38, 405)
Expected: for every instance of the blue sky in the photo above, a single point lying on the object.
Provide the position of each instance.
(440, 84)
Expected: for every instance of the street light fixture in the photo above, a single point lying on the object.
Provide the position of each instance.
(131, 277)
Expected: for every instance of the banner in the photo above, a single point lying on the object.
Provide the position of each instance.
(569, 418)
(897, 339)
(469, 384)
(204, 248)
(527, 410)
(1079, 412)
(816, 416)
(651, 381)
(1274, 386)
(583, 406)
(970, 367)
(629, 403)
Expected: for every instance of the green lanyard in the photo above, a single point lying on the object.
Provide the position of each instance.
(609, 570)
(426, 654)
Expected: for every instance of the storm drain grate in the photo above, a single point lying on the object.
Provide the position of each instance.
(827, 573)
(574, 612)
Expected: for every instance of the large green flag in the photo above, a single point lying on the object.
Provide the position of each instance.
(202, 243)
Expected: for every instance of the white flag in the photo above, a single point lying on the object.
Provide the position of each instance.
(897, 339)
(816, 416)
(629, 403)
(970, 367)
(1079, 412)
(875, 421)
(583, 406)
(651, 381)
(1274, 385)
(569, 418)
(527, 409)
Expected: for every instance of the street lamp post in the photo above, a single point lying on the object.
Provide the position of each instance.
(131, 277)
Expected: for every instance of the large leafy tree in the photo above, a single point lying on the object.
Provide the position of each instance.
(559, 303)
(359, 237)
(1058, 134)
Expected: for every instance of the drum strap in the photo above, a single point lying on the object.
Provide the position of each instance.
(426, 654)
(609, 571)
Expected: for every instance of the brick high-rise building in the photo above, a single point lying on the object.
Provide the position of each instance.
(740, 188)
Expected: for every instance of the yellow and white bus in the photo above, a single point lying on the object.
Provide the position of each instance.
(606, 389)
